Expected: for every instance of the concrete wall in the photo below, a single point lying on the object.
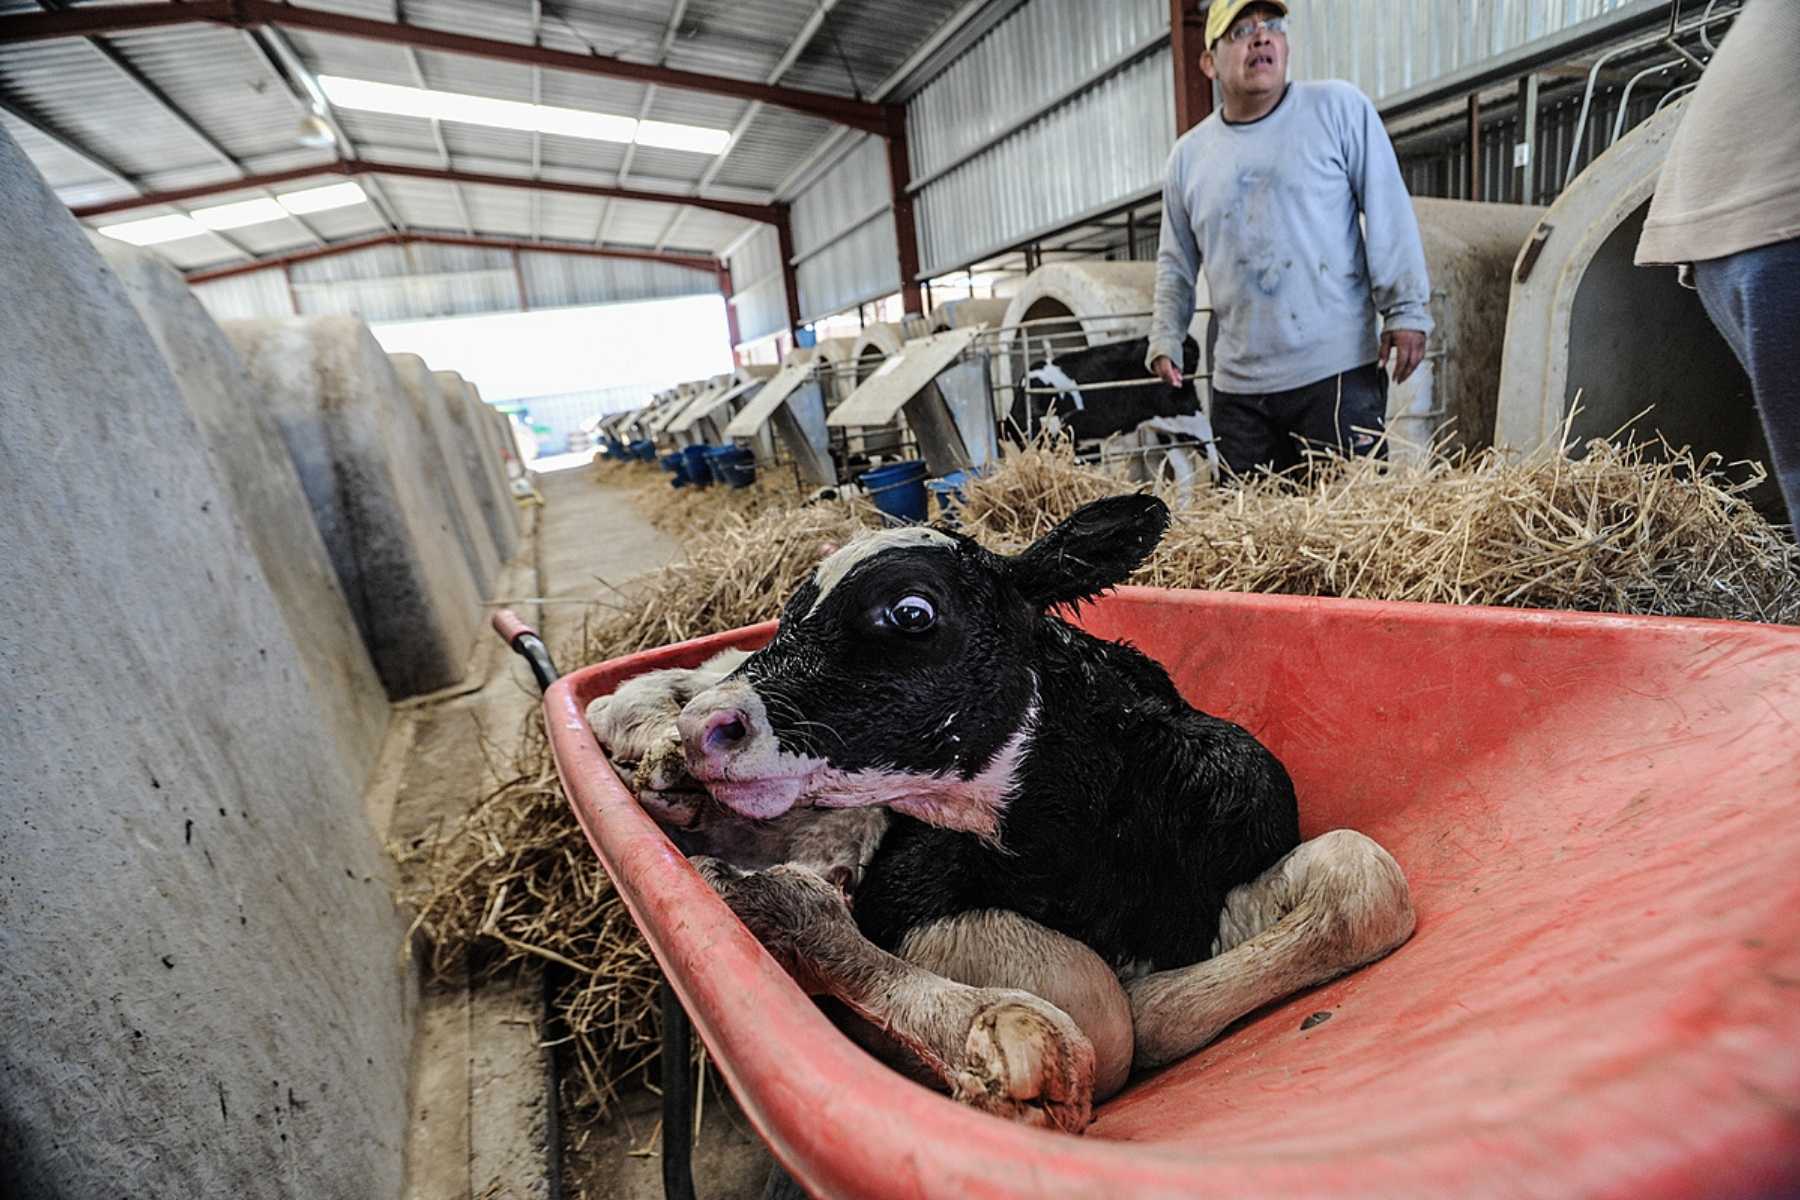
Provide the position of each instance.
(363, 466)
(251, 462)
(512, 440)
(471, 417)
(202, 993)
(445, 468)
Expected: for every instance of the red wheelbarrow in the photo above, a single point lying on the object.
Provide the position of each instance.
(1600, 819)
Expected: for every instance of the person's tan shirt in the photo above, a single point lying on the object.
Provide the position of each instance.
(1732, 179)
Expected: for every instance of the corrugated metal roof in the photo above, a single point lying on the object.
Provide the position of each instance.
(223, 81)
(874, 36)
(75, 178)
(775, 142)
(73, 89)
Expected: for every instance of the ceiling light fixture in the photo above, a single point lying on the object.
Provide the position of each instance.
(315, 133)
(396, 100)
(151, 231)
(322, 199)
(239, 214)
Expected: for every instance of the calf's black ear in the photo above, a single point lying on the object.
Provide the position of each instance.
(1099, 545)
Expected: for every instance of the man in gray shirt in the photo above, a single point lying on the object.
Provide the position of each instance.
(1266, 194)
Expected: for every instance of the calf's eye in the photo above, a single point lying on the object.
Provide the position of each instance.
(913, 614)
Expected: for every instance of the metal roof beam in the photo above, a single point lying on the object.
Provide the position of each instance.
(79, 22)
(795, 49)
(690, 262)
(768, 214)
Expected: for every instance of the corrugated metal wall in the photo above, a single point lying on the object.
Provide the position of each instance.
(844, 234)
(396, 283)
(1106, 141)
(757, 290)
(247, 297)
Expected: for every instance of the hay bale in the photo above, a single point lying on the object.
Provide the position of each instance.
(1622, 529)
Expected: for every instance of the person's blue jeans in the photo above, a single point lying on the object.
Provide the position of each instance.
(1754, 299)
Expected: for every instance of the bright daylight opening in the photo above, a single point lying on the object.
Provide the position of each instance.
(566, 365)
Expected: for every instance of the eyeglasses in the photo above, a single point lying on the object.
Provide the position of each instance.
(1240, 33)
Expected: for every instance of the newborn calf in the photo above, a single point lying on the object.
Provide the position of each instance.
(1083, 873)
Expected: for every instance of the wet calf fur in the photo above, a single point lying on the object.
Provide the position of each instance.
(1034, 768)
(1066, 828)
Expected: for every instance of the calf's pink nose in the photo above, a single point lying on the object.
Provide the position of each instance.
(723, 732)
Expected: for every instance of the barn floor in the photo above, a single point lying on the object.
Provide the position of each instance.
(481, 1114)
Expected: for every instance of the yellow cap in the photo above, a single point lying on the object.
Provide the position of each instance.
(1223, 12)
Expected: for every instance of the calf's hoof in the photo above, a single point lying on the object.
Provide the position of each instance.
(1026, 1061)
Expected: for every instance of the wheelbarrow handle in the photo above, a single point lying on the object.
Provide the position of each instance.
(527, 645)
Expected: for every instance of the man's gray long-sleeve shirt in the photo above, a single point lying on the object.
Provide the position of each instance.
(1270, 209)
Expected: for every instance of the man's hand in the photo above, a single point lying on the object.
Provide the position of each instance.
(1167, 370)
(1408, 349)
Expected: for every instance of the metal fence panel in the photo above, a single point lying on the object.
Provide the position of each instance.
(1385, 47)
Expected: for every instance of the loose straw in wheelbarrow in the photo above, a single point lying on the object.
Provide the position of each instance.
(1616, 530)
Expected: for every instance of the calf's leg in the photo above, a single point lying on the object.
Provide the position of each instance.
(1000, 1050)
(999, 949)
(1331, 905)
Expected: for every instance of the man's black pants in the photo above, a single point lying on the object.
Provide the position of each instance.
(1343, 413)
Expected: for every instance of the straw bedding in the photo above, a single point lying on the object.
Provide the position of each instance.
(1616, 530)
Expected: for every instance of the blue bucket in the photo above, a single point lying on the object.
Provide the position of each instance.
(716, 458)
(735, 466)
(644, 450)
(897, 490)
(694, 459)
(673, 465)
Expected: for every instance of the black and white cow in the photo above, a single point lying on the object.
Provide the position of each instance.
(1091, 415)
(1081, 873)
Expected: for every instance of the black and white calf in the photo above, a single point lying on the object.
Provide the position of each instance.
(1091, 415)
(1082, 872)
